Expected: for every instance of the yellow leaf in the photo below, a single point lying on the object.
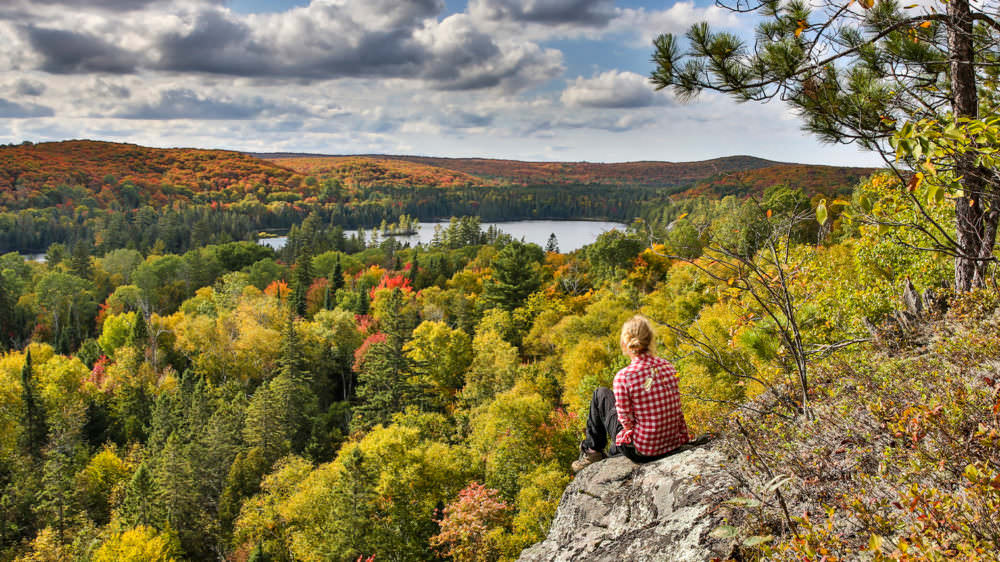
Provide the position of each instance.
(875, 543)
(915, 181)
(910, 6)
(821, 212)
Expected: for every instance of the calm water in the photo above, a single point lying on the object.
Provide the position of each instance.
(572, 235)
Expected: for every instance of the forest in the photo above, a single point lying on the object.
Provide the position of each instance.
(338, 401)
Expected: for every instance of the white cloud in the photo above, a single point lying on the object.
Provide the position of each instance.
(645, 25)
(328, 39)
(612, 89)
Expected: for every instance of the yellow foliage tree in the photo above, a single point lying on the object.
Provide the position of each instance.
(139, 544)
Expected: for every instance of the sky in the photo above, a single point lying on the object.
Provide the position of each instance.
(548, 80)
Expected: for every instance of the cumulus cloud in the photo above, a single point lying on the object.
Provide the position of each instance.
(99, 5)
(611, 89)
(67, 52)
(327, 39)
(29, 88)
(645, 25)
(183, 103)
(13, 110)
(564, 127)
(552, 12)
(107, 89)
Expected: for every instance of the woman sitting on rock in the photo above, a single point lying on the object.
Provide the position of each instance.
(643, 413)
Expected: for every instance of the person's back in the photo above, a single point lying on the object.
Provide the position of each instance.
(643, 413)
(649, 406)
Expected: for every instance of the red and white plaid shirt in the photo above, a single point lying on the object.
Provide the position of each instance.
(649, 406)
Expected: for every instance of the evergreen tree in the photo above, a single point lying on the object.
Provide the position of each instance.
(7, 329)
(61, 465)
(337, 276)
(383, 383)
(279, 412)
(55, 254)
(277, 417)
(364, 300)
(515, 275)
(131, 408)
(552, 246)
(80, 261)
(176, 486)
(242, 481)
(414, 269)
(290, 362)
(139, 335)
(302, 279)
(35, 426)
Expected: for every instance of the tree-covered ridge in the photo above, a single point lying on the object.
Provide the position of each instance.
(374, 172)
(677, 176)
(110, 175)
(828, 181)
(647, 174)
(102, 175)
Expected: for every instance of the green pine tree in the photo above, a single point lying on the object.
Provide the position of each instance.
(139, 504)
(553, 244)
(6, 315)
(139, 335)
(302, 279)
(383, 383)
(278, 415)
(414, 269)
(515, 276)
(80, 261)
(36, 429)
(337, 276)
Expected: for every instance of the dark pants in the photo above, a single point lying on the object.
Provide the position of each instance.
(603, 422)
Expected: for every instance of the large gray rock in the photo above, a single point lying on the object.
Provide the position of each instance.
(617, 510)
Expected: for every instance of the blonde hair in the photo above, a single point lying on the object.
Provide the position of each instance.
(637, 334)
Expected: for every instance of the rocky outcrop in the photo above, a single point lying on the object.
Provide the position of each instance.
(616, 510)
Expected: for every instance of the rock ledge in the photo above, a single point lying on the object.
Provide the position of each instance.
(616, 510)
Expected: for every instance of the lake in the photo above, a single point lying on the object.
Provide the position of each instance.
(572, 235)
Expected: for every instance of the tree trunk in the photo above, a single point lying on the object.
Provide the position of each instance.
(976, 227)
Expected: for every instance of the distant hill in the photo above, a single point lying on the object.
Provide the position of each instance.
(95, 165)
(651, 174)
(740, 175)
(813, 179)
(103, 174)
(369, 171)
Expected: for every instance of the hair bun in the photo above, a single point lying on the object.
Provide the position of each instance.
(637, 334)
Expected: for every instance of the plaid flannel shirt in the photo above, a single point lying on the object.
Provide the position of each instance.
(649, 406)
